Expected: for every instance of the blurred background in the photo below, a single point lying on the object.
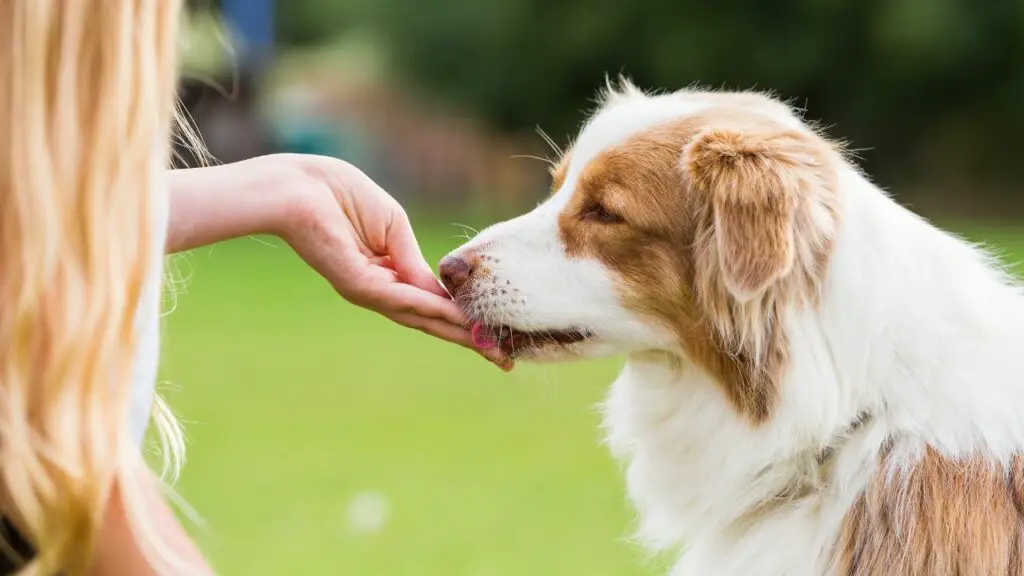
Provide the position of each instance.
(324, 440)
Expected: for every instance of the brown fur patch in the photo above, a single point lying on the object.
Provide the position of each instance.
(942, 517)
(751, 204)
(714, 201)
(559, 171)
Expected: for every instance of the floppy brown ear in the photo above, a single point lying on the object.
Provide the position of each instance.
(749, 184)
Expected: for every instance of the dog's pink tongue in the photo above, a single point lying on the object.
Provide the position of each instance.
(483, 338)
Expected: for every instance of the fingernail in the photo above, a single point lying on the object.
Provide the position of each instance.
(499, 359)
(506, 364)
(443, 288)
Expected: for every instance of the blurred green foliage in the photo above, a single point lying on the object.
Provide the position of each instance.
(933, 87)
(310, 22)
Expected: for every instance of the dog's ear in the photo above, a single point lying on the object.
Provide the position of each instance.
(748, 185)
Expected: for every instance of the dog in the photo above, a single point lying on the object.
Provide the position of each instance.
(818, 381)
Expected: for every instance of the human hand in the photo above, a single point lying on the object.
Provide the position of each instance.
(359, 238)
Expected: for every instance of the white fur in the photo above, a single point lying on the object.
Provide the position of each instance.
(915, 325)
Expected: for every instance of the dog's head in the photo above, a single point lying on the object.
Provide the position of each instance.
(687, 223)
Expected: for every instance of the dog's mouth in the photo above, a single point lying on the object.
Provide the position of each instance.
(514, 342)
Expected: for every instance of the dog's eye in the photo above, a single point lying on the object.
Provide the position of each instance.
(598, 213)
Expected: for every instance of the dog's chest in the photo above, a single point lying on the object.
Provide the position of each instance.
(692, 477)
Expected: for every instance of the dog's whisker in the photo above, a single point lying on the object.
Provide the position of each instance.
(467, 228)
(550, 141)
(548, 161)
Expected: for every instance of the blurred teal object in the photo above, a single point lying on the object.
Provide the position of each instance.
(316, 135)
(313, 138)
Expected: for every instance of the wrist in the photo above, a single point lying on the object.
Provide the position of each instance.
(310, 182)
(218, 203)
(281, 189)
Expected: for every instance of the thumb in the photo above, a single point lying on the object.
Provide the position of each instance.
(407, 258)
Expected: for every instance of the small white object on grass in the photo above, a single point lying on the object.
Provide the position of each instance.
(368, 512)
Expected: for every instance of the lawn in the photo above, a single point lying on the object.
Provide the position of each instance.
(324, 440)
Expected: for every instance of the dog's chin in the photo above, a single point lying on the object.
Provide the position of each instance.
(590, 349)
(553, 352)
(549, 345)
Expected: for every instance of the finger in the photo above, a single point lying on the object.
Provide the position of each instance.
(407, 257)
(435, 327)
(362, 285)
(455, 334)
(403, 298)
(383, 275)
(383, 262)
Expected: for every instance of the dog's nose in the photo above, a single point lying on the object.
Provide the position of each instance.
(455, 271)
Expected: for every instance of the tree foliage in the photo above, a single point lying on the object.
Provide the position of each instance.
(910, 79)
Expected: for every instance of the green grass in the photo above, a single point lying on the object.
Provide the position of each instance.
(296, 403)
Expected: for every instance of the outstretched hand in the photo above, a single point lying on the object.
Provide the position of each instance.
(360, 239)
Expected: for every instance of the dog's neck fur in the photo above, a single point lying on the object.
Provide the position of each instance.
(915, 328)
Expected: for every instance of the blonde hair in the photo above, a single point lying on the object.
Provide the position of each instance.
(87, 92)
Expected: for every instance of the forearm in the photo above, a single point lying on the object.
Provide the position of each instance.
(210, 205)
